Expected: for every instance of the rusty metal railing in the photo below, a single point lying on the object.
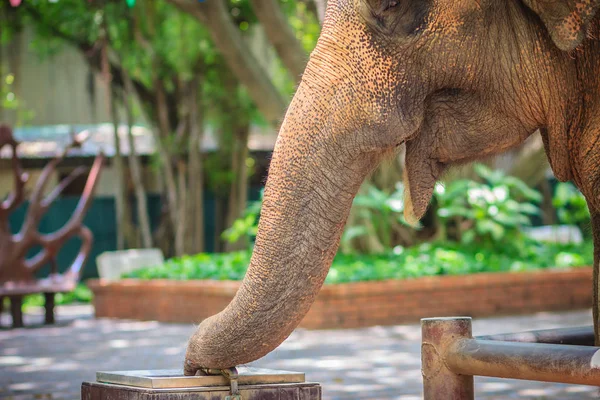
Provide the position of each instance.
(451, 357)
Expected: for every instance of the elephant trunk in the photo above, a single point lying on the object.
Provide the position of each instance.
(312, 181)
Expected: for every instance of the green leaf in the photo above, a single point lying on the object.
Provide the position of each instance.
(468, 236)
(483, 171)
(528, 208)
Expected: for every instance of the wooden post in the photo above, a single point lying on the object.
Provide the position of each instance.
(1, 307)
(439, 382)
(49, 306)
(16, 311)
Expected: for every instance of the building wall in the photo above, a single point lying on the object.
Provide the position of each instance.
(59, 89)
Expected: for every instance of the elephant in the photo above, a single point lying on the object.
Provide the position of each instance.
(451, 80)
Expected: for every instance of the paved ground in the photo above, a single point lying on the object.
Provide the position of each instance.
(374, 363)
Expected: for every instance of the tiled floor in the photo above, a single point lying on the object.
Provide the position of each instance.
(373, 363)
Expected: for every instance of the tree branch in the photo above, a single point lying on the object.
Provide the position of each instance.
(281, 36)
(321, 6)
(214, 15)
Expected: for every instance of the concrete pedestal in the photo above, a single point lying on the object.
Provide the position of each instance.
(254, 384)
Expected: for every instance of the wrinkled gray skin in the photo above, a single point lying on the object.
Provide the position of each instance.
(455, 80)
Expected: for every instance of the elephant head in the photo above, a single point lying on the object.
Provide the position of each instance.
(453, 80)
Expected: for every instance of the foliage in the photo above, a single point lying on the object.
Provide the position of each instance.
(247, 225)
(174, 66)
(428, 259)
(81, 294)
(218, 266)
(303, 22)
(489, 215)
(488, 212)
(383, 212)
(431, 259)
(380, 214)
(570, 205)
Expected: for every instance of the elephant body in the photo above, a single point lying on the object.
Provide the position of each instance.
(453, 80)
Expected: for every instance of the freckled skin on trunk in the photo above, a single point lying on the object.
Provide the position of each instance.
(323, 153)
(307, 200)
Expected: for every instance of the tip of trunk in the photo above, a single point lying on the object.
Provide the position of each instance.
(202, 352)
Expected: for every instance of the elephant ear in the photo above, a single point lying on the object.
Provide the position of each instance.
(566, 20)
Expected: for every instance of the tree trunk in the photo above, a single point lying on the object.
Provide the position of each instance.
(238, 195)
(180, 228)
(196, 171)
(321, 6)
(220, 215)
(281, 35)
(136, 169)
(163, 235)
(165, 158)
(120, 198)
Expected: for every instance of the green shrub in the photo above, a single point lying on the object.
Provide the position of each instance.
(428, 259)
(571, 207)
(491, 212)
(381, 215)
(81, 294)
(486, 215)
(247, 225)
(219, 266)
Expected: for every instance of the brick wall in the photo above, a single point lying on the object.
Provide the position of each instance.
(360, 304)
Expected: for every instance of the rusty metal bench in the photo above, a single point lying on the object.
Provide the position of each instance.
(17, 270)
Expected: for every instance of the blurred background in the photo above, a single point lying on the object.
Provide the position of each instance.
(185, 97)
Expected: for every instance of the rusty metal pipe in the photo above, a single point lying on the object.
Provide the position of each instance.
(579, 336)
(439, 382)
(527, 361)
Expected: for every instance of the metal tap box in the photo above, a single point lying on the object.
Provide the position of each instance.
(254, 384)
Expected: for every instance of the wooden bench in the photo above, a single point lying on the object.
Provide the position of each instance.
(15, 291)
(17, 271)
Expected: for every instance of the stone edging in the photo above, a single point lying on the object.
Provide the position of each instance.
(361, 304)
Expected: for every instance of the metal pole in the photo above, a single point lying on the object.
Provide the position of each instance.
(439, 382)
(580, 336)
(528, 361)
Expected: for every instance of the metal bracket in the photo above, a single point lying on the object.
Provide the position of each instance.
(232, 375)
